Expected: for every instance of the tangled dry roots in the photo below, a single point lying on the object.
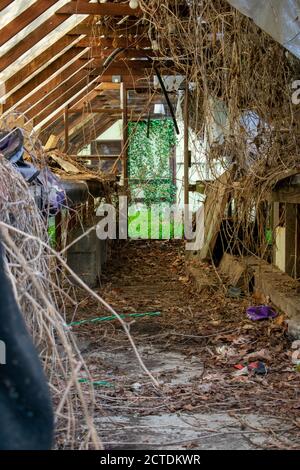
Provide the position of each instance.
(37, 281)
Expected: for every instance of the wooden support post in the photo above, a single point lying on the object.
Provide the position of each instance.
(66, 120)
(125, 135)
(290, 239)
(186, 146)
(275, 225)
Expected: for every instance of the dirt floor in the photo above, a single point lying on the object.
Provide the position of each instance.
(192, 349)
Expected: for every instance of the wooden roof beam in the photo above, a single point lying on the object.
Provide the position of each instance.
(58, 97)
(87, 94)
(94, 130)
(41, 95)
(94, 110)
(34, 37)
(86, 90)
(24, 19)
(71, 97)
(99, 9)
(5, 3)
(36, 65)
(78, 125)
(85, 100)
(51, 77)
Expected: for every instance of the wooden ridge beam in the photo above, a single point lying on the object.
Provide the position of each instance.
(99, 9)
(131, 66)
(127, 76)
(125, 67)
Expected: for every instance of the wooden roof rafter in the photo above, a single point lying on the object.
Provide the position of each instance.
(24, 19)
(49, 57)
(47, 80)
(68, 72)
(4, 4)
(82, 7)
(87, 93)
(92, 130)
(37, 64)
(99, 9)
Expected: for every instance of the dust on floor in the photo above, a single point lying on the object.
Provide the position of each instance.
(192, 349)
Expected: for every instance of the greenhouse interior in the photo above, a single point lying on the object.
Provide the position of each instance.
(149, 227)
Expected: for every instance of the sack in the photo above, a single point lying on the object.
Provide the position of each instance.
(12, 147)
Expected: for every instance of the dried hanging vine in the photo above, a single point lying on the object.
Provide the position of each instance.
(240, 82)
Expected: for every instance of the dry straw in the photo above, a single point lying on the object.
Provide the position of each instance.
(41, 280)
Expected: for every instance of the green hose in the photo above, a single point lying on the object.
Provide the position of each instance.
(113, 317)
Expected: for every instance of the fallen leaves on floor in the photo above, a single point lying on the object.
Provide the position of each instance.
(211, 327)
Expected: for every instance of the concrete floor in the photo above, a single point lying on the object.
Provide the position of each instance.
(185, 431)
(200, 403)
(182, 430)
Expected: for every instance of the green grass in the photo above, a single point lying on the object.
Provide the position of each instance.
(141, 225)
(52, 232)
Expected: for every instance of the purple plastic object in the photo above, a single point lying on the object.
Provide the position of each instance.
(262, 312)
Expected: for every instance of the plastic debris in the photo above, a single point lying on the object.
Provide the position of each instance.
(225, 351)
(296, 344)
(137, 386)
(98, 383)
(258, 368)
(235, 292)
(242, 370)
(261, 312)
(296, 357)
